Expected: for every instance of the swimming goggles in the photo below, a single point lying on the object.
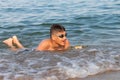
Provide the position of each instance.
(62, 35)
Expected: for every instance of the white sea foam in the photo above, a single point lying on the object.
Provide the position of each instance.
(59, 65)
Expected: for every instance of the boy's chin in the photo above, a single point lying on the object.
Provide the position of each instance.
(62, 44)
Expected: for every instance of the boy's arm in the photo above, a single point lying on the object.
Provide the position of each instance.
(67, 44)
(44, 45)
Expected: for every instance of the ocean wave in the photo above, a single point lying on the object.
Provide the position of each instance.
(78, 63)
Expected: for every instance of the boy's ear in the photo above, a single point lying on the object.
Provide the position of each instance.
(53, 37)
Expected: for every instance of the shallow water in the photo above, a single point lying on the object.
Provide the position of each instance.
(34, 65)
(91, 23)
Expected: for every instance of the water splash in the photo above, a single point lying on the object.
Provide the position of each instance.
(59, 65)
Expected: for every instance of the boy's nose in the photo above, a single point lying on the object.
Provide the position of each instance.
(64, 38)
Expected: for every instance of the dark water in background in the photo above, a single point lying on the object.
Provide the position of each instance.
(95, 23)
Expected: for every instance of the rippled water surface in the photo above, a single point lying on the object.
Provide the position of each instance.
(92, 23)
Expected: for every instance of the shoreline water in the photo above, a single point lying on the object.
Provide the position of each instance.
(97, 26)
(108, 75)
(69, 65)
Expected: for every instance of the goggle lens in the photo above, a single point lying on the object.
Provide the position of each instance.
(62, 35)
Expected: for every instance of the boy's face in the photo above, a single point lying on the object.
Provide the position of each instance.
(60, 37)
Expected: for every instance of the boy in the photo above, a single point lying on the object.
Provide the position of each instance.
(57, 40)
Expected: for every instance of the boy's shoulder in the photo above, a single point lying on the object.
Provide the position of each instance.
(46, 41)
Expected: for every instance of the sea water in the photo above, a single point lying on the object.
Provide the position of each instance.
(94, 24)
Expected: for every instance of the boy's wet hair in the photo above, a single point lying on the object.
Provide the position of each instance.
(56, 28)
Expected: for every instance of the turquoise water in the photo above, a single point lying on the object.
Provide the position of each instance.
(93, 23)
(87, 22)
